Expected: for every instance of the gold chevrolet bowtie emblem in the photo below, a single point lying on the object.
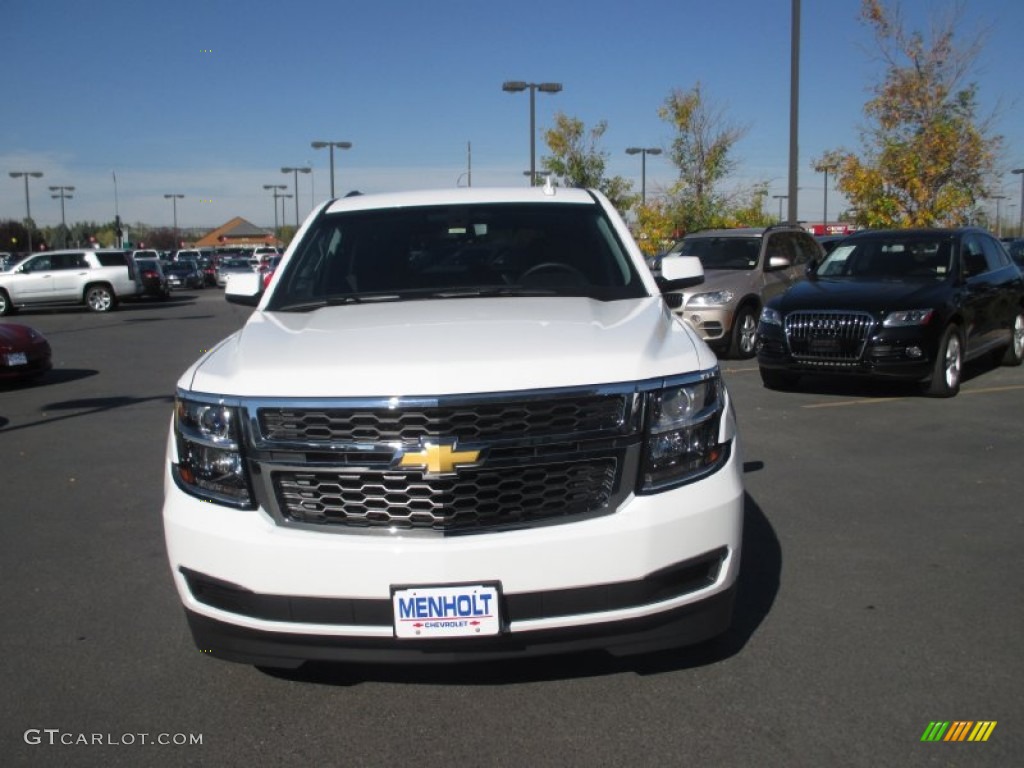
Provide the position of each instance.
(438, 459)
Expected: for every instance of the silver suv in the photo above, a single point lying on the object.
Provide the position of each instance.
(743, 268)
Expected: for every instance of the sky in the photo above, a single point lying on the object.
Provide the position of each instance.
(131, 101)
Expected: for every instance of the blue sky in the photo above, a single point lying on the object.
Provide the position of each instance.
(210, 99)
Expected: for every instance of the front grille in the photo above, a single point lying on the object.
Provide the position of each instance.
(487, 421)
(545, 457)
(828, 338)
(474, 499)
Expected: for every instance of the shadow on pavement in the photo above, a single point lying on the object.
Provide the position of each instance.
(759, 577)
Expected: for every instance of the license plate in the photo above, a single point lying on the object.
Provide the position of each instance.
(439, 612)
(16, 358)
(823, 346)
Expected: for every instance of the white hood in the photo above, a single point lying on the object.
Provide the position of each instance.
(455, 346)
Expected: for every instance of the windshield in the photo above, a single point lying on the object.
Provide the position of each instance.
(898, 258)
(722, 252)
(453, 251)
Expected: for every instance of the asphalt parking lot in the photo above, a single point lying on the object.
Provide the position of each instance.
(882, 589)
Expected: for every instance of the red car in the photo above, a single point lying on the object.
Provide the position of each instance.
(24, 352)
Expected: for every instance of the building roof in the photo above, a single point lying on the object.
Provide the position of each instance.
(238, 231)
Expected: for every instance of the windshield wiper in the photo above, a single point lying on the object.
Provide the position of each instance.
(336, 301)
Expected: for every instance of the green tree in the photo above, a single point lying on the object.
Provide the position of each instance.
(927, 154)
(702, 150)
(13, 236)
(577, 161)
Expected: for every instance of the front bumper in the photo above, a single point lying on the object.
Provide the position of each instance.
(712, 323)
(898, 354)
(659, 572)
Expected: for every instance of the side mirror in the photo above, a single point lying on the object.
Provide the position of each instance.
(244, 288)
(679, 273)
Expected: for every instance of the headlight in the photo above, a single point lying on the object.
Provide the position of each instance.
(210, 463)
(908, 317)
(771, 316)
(683, 433)
(712, 299)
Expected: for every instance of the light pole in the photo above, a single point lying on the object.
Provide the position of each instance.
(825, 168)
(999, 223)
(283, 197)
(28, 208)
(174, 201)
(330, 146)
(62, 194)
(514, 86)
(780, 198)
(794, 107)
(643, 152)
(296, 172)
(1020, 223)
(274, 188)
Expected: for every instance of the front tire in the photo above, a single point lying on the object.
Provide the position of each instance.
(744, 333)
(1014, 354)
(948, 367)
(5, 304)
(100, 298)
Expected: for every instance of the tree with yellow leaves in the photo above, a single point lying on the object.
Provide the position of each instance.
(927, 154)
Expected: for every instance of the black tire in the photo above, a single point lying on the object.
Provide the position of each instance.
(744, 333)
(5, 304)
(948, 368)
(100, 298)
(1014, 354)
(774, 379)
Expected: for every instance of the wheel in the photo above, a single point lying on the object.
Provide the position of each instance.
(1015, 352)
(744, 333)
(948, 367)
(99, 298)
(773, 379)
(5, 304)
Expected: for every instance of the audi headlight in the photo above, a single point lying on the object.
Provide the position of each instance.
(771, 316)
(210, 463)
(908, 317)
(684, 439)
(711, 299)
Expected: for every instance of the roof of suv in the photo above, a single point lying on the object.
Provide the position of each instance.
(744, 231)
(467, 195)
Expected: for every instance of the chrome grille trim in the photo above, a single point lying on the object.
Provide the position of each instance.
(827, 337)
(580, 445)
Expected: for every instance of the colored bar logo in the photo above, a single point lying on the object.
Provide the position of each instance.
(959, 730)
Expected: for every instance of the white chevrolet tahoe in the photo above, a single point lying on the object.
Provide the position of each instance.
(459, 425)
(96, 278)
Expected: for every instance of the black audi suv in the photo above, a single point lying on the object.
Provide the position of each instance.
(910, 304)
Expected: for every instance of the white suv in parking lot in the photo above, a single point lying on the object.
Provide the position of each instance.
(458, 425)
(96, 278)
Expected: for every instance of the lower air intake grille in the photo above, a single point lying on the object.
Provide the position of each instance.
(475, 499)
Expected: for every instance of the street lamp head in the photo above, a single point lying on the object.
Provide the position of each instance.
(633, 150)
(513, 86)
(1017, 170)
(549, 87)
(338, 144)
